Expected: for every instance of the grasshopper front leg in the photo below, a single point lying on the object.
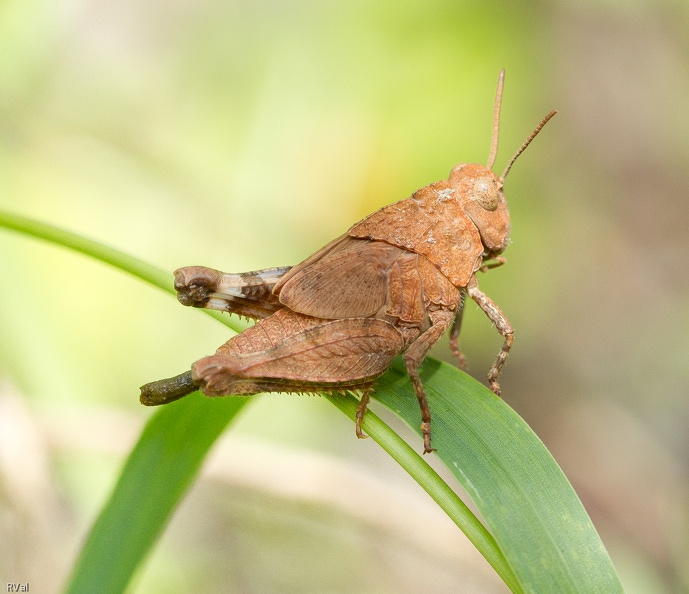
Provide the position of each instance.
(503, 326)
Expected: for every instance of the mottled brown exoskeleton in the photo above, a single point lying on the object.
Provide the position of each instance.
(394, 283)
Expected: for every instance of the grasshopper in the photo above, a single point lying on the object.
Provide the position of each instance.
(393, 284)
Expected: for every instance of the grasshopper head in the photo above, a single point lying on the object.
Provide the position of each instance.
(481, 196)
(479, 190)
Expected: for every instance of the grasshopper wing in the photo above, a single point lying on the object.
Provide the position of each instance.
(348, 278)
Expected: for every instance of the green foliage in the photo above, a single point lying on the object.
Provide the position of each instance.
(525, 500)
(156, 476)
(537, 534)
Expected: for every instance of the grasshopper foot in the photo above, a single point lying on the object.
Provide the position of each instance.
(494, 386)
(426, 429)
(360, 412)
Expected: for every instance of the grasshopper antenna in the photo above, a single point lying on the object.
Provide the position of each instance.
(527, 142)
(496, 121)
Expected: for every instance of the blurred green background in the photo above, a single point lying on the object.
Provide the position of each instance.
(242, 135)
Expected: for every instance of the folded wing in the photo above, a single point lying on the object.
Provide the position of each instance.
(348, 278)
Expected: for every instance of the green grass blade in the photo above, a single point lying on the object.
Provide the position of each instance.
(109, 255)
(539, 537)
(165, 460)
(431, 482)
(154, 479)
(526, 502)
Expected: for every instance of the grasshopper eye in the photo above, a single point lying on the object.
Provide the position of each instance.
(486, 192)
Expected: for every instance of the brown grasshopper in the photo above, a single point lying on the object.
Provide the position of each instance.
(394, 283)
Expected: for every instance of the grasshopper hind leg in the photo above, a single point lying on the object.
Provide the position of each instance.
(248, 294)
(291, 352)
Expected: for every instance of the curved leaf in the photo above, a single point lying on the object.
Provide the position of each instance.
(539, 537)
(157, 474)
(525, 499)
